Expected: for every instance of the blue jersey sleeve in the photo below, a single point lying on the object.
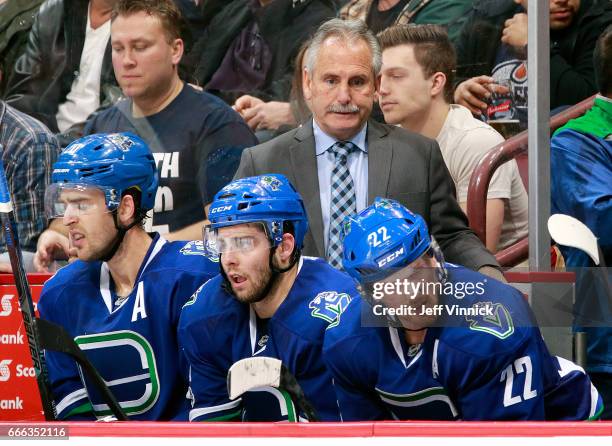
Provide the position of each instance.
(354, 378)
(581, 184)
(573, 397)
(207, 371)
(69, 394)
(507, 386)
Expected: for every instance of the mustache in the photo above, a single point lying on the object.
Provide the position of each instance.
(340, 108)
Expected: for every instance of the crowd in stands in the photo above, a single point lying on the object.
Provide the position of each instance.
(348, 99)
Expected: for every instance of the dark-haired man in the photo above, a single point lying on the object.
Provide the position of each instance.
(416, 88)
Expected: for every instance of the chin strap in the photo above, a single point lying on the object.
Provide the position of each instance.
(121, 231)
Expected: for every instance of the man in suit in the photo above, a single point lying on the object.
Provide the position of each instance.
(342, 160)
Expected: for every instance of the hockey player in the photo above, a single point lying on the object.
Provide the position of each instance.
(268, 301)
(122, 298)
(453, 344)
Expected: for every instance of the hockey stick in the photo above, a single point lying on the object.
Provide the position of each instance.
(7, 219)
(55, 337)
(43, 334)
(250, 373)
(569, 231)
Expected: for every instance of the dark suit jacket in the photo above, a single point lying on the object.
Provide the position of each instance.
(401, 165)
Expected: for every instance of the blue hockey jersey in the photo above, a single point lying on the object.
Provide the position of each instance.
(471, 367)
(582, 187)
(131, 341)
(216, 330)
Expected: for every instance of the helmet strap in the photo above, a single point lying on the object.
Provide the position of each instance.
(121, 231)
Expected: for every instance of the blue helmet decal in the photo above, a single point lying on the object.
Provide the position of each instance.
(114, 162)
(270, 199)
(384, 235)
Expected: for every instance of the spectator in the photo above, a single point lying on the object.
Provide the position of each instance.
(430, 340)
(121, 300)
(380, 14)
(415, 90)
(342, 160)
(196, 139)
(299, 106)
(267, 301)
(29, 150)
(65, 73)
(247, 55)
(581, 186)
(493, 44)
(16, 19)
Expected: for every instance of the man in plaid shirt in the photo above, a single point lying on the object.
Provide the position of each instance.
(29, 150)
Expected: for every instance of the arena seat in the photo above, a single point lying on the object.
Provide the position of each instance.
(513, 148)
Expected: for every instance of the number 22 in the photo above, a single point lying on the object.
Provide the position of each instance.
(521, 365)
(373, 236)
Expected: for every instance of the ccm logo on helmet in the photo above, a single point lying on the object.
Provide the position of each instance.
(394, 255)
(220, 209)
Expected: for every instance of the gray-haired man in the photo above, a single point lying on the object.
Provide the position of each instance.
(342, 160)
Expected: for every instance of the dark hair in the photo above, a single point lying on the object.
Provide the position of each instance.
(433, 50)
(602, 59)
(165, 10)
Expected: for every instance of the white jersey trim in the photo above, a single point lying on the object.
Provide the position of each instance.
(195, 413)
(105, 277)
(70, 399)
(397, 346)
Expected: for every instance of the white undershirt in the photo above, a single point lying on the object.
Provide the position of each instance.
(84, 96)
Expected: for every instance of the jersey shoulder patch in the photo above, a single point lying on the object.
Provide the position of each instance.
(196, 248)
(499, 323)
(329, 306)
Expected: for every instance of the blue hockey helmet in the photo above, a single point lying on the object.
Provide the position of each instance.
(383, 237)
(111, 162)
(270, 199)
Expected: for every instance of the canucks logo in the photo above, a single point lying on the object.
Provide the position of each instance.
(329, 305)
(194, 297)
(385, 203)
(271, 183)
(136, 383)
(499, 325)
(123, 142)
(197, 248)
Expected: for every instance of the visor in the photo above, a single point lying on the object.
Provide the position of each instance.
(241, 237)
(75, 199)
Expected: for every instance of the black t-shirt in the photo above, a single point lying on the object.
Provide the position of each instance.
(197, 141)
(380, 20)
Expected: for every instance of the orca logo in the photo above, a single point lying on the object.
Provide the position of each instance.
(329, 305)
(136, 382)
(196, 248)
(5, 372)
(5, 304)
